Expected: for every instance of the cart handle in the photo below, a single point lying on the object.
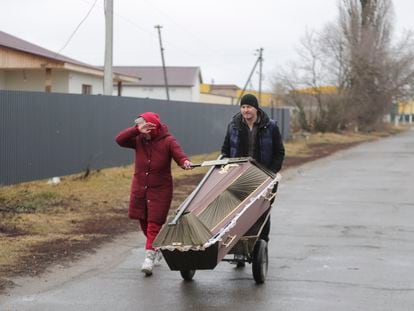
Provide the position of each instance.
(221, 161)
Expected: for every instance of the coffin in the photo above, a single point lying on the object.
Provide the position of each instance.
(227, 203)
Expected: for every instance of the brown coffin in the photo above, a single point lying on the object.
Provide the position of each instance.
(229, 202)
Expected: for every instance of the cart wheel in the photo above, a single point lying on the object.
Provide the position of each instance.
(187, 274)
(260, 261)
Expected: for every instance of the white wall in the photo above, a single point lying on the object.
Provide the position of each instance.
(196, 92)
(34, 80)
(77, 79)
(25, 80)
(176, 93)
(63, 81)
(60, 81)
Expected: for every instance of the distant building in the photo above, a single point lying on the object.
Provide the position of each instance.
(324, 89)
(183, 82)
(230, 94)
(218, 94)
(224, 89)
(266, 99)
(28, 67)
(405, 110)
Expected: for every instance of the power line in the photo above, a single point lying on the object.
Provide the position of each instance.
(185, 29)
(125, 19)
(177, 47)
(184, 50)
(77, 27)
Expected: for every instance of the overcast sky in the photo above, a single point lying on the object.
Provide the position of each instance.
(219, 36)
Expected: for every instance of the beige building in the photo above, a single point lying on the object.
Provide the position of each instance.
(28, 67)
(230, 94)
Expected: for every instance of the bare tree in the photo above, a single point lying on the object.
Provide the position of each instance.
(356, 55)
(306, 81)
(366, 29)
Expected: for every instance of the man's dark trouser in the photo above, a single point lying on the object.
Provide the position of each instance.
(264, 235)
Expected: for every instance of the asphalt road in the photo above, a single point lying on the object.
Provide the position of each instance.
(342, 239)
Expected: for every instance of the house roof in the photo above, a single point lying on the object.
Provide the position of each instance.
(15, 43)
(224, 87)
(154, 75)
(18, 44)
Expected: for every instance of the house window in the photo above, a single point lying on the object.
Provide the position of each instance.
(86, 89)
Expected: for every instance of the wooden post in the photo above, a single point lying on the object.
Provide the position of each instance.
(119, 88)
(48, 80)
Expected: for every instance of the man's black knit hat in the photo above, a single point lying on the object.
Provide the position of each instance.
(249, 99)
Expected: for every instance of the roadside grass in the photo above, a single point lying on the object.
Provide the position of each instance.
(42, 224)
(303, 146)
(77, 211)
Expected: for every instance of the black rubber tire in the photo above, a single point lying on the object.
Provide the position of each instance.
(187, 275)
(260, 261)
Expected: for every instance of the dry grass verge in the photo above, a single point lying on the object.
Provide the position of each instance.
(42, 224)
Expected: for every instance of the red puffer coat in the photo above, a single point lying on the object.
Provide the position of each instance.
(152, 187)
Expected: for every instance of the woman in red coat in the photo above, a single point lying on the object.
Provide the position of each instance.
(152, 187)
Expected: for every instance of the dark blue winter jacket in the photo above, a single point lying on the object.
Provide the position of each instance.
(269, 149)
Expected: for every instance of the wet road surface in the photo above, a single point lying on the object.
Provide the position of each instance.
(342, 238)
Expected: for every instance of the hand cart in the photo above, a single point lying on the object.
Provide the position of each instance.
(223, 216)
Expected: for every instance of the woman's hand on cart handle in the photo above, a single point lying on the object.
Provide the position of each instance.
(187, 165)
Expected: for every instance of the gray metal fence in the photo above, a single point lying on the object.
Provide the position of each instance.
(49, 134)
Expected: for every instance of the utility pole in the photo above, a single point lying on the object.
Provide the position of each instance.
(163, 61)
(108, 80)
(260, 74)
(259, 59)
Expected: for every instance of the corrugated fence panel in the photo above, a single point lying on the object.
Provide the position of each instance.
(49, 134)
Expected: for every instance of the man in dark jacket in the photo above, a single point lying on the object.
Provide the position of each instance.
(251, 133)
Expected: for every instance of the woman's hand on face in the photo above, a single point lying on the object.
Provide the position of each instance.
(147, 127)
